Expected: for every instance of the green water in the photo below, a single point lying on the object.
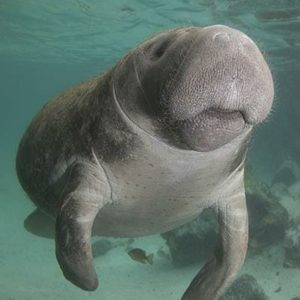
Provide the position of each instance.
(47, 46)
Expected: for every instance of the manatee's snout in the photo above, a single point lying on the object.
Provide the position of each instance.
(223, 70)
(224, 84)
(221, 85)
(207, 84)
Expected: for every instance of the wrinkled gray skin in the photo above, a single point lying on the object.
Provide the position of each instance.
(147, 146)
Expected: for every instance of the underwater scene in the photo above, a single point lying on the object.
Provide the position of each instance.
(144, 168)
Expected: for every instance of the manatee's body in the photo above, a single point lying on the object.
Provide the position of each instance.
(147, 146)
(160, 187)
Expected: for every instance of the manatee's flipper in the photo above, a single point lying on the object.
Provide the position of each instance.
(218, 273)
(83, 197)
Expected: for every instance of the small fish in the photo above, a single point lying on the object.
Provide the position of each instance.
(140, 256)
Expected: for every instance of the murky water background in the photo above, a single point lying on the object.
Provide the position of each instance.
(46, 46)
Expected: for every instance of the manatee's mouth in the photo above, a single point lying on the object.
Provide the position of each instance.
(212, 128)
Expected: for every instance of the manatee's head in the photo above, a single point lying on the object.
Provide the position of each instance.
(196, 88)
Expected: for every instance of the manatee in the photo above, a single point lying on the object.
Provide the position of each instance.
(148, 145)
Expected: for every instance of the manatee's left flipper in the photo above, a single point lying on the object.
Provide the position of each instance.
(218, 273)
(82, 199)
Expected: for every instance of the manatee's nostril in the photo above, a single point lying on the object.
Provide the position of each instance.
(222, 36)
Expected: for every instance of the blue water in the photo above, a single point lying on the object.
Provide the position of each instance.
(47, 46)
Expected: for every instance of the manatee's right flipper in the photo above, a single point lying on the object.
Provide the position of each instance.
(82, 199)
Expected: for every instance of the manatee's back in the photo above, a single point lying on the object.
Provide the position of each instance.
(53, 131)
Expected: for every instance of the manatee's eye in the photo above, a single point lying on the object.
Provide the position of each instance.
(159, 49)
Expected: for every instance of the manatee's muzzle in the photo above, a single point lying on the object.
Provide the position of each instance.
(223, 71)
